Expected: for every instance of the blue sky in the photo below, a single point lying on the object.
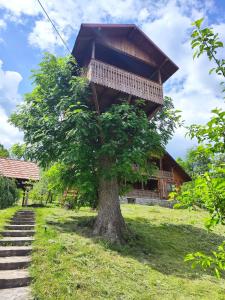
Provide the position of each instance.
(25, 34)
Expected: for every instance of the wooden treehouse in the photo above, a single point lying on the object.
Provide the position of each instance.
(121, 62)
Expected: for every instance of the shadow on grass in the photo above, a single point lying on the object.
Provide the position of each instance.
(162, 247)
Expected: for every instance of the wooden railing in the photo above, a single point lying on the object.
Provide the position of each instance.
(118, 79)
(165, 174)
(162, 174)
(143, 194)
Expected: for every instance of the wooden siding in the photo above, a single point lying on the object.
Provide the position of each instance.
(124, 45)
(118, 79)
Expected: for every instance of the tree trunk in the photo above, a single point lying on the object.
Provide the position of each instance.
(109, 223)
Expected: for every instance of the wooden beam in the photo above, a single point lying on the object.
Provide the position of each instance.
(156, 71)
(159, 77)
(160, 164)
(93, 50)
(129, 99)
(158, 108)
(95, 97)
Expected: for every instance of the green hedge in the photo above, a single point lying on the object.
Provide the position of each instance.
(9, 193)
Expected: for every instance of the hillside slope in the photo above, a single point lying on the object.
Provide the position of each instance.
(69, 264)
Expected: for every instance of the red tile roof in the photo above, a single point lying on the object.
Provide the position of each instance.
(19, 169)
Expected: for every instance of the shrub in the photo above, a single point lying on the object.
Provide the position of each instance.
(9, 193)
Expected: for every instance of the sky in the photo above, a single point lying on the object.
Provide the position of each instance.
(25, 34)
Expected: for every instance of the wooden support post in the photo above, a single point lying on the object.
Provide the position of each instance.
(26, 197)
(129, 99)
(158, 108)
(93, 50)
(154, 73)
(160, 164)
(23, 201)
(159, 77)
(95, 97)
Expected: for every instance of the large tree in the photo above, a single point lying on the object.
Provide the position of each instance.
(98, 151)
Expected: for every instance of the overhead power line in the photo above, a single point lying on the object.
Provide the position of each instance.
(53, 25)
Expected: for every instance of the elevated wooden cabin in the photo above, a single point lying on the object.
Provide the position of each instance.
(121, 62)
(170, 175)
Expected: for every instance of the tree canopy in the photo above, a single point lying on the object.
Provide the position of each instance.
(60, 124)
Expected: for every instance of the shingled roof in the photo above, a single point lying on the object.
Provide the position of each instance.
(19, 169)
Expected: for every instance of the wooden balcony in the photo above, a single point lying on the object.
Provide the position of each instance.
(165, 174)
(129, 83)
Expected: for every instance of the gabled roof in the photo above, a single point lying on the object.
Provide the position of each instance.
(175, 164)
(19, 169)
(89, 32)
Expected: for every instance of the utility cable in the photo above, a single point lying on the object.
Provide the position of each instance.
(53, 25)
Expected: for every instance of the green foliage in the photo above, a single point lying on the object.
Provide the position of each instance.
(18, 151)
(3, 152)
(60, 124)
(215, 261)
(197, 161)
(8, 192)
(206, 41)
(213, 133)
(208, 189)
(50, 187)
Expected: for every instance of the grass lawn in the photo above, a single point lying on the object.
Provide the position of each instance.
(69, 264)
(6, 214)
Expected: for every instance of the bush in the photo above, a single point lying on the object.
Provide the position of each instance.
(9, 193)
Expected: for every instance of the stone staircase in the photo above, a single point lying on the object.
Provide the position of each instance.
(15, 250)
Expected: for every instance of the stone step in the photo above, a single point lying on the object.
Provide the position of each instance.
(19, 227)
(22, 222)
(14, 262)
(16, 241)
(20, 293)
(24, 213)
(23, 219)
(14, 278)
(18, 233)
(15, 251)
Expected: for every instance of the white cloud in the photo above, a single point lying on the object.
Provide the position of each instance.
(43, 36)
(8, 133)
(2, 24)
(9, 97)
(18, 7)
(9, 83)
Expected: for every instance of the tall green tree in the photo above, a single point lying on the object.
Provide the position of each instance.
(3, 151)
(197, 161)
(60, 124)
(208, 189)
